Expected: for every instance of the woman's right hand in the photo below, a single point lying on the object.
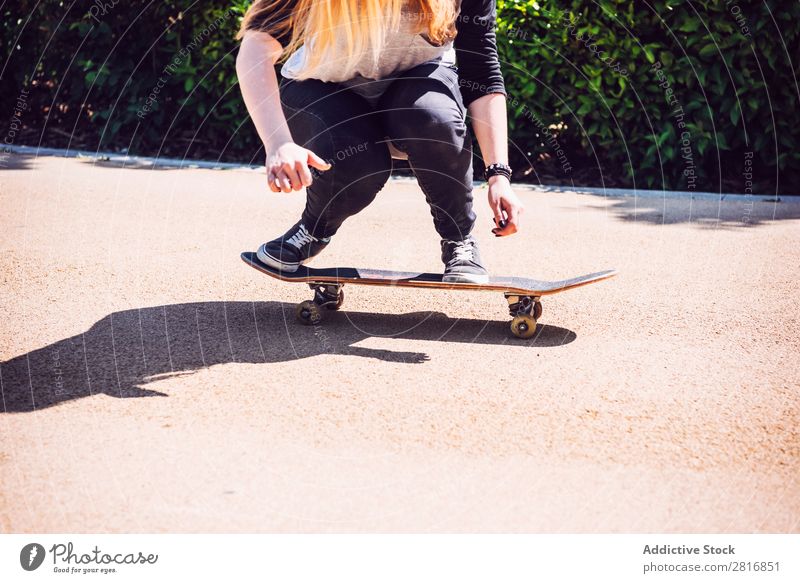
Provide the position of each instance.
(287, 167)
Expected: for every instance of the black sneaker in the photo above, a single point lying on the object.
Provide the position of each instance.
(290, 251)
(462, 262)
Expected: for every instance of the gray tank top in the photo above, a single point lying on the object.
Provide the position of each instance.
(404, 49)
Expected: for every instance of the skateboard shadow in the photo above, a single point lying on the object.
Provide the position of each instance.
(124, 351)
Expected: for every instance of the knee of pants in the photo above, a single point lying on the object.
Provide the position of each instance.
(357, 161)
(361, 171)
(433, 134)
(357, 174)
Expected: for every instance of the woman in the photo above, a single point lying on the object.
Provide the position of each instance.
(366, 81)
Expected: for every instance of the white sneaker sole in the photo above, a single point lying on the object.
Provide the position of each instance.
(465, 278)
(274, 263)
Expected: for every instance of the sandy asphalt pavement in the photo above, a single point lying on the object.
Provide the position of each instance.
(152, 382)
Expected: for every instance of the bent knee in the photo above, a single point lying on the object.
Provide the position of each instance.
(438, 124)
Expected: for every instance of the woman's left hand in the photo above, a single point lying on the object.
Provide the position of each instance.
(505, 205)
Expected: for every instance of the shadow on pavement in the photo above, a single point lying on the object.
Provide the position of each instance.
(124, 351)
(10, 161)
(714, 214)
(27, 161)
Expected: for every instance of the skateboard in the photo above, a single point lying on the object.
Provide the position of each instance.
(523, 294)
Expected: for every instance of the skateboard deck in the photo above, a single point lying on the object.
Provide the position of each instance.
(523, 293)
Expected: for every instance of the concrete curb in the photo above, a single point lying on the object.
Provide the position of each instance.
(144, 161)
(132, 161)
(640, 193)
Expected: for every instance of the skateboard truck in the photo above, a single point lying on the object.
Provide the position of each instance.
(326, 295)
(525, 311)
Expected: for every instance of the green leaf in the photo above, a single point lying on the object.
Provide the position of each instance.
(690, 25)
(708, 50)
(585, 108)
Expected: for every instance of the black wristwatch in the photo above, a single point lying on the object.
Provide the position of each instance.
(497, 168)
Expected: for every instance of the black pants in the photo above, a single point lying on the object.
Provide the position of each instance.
(421, 112)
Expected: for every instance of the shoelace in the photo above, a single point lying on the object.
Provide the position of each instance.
(301, 238)
(464, 251)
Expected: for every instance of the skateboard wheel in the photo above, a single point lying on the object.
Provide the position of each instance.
(523, 326)
(338, 303)
(308, 313)
(537, 310)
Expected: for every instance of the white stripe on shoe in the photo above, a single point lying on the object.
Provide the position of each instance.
(275, 263)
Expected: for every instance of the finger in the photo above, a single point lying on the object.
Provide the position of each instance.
(499, 215)
(276, 179)
(513, 223)
(317, 162)
(304, 173)
(272, 182)
(283, 181)
(291, 173)
(500, 220)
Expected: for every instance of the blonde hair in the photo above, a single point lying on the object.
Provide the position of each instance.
(354, 27)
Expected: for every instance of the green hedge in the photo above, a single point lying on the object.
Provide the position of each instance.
(683, 95)
(155, 78)
(686, 95)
